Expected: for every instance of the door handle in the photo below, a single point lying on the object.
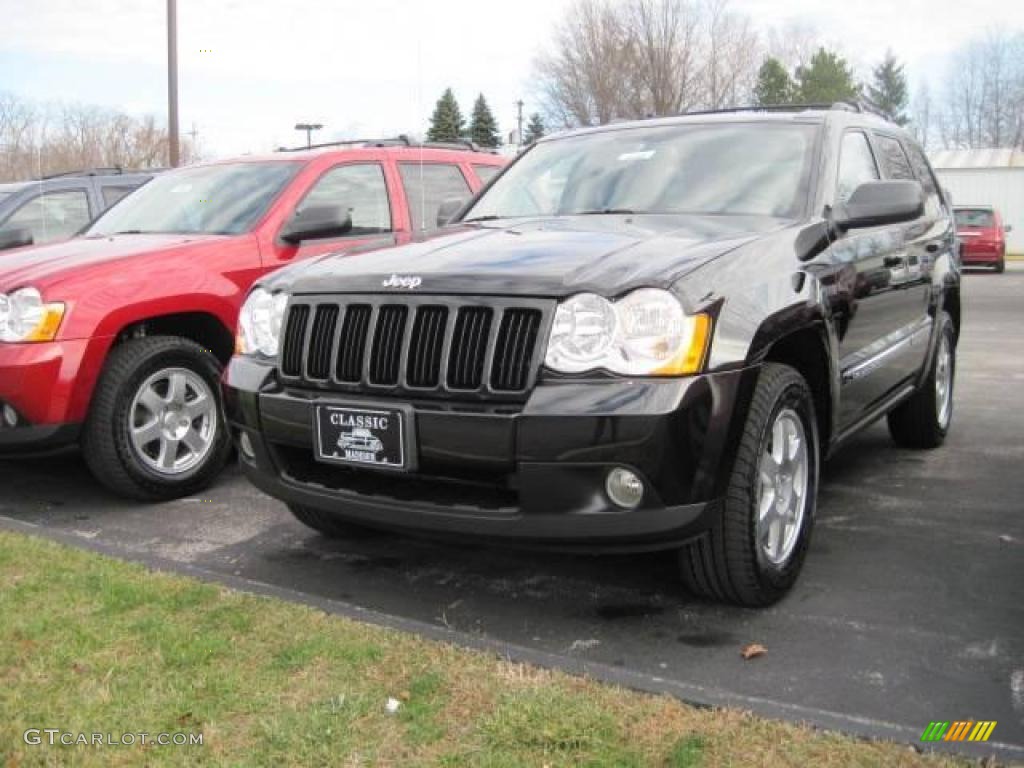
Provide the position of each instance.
(932, 247)
(893, 261)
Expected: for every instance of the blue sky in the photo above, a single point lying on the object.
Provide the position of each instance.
(251, 68)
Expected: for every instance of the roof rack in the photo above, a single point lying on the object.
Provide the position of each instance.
(852, 105)
(115, 170)
(398, 141)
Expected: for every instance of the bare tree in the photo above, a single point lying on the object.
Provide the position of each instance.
(983, 102)
(733, 56)
(921, 115)
(583, 78)
(665, 52)
(38, 141)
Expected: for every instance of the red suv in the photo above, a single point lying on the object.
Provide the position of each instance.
(982, 237)
(116, 339)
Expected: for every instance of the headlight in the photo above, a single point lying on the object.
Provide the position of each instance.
(25, 317)
(259, 323)
(644, 333)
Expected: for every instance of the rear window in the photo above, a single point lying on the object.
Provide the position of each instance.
(974, 217)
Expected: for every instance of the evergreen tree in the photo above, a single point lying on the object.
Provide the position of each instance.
(534, 129)
(888, 89)
(826, 79)
(446, 124)
(774, 85)
(483, 128)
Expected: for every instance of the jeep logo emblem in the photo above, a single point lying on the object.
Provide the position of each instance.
(401, 281)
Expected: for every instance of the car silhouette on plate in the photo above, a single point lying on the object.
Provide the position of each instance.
(361, 440)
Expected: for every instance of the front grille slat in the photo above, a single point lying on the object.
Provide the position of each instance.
(423, 346)
(385, 356)
(318, 360)
(424, 366)
(352, 343)
(517, 339)
(294, 340)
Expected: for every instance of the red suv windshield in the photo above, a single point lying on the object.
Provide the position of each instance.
(223, 199)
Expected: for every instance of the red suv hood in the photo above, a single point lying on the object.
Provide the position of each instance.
(47, 265)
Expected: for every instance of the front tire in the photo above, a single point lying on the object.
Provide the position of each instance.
(754, 551)
(156, 429)
(923, 420)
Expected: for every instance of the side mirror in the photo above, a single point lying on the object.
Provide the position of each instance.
(876, 203)
(15, 238)
(448, 209)
(317, 222)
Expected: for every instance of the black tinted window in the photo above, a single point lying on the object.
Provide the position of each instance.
(360, 188)
(897, 166)
(427, 186)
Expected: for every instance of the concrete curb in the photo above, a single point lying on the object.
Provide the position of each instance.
(700, 696)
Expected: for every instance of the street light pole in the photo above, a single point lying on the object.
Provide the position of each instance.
(308, 128)
(172, 83)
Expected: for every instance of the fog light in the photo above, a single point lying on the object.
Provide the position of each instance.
(246, 445)
(10, 416)
(624, 488)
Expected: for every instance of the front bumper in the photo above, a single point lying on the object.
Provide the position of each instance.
(531, 474)
(38, 382)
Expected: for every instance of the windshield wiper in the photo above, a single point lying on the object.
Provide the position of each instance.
(608, 211)
(488, 217)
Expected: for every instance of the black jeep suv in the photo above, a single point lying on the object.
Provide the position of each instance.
(639, 336)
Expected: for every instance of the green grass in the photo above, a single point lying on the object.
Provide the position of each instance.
(91, 644)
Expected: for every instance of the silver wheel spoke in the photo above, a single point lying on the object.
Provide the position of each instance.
(147, 433)
(194, 441)
(782, 488)
(177, 389)
(168, 453)
(152, 401)
(201, 406)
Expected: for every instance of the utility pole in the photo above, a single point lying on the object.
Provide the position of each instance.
(308, 128)
(519, 119)
(173, 148)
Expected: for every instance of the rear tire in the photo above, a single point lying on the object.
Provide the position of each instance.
(155, 396)
(735, 560)
(329, 525)
(923, 421)
(1001, 266)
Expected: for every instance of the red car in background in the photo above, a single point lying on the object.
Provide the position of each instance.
(982, 237)
(115, 339)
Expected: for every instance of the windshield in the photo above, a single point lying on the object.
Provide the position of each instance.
(214, 199)
(731, 169)
(973, 218)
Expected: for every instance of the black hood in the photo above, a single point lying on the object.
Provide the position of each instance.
(606, 254)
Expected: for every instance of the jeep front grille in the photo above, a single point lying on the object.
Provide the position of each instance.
(421, 346)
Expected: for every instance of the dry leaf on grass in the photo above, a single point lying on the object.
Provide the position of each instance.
(753, 650)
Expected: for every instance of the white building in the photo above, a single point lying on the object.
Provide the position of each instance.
(987, 177)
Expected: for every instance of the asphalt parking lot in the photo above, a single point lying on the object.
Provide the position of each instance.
(910, 608)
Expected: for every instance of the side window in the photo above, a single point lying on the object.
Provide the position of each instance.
(894, 159)
(51, 216)
(429, 185)
(486, 172)
(856, 164)
(112, 193)
(933, 202)
(360, 188)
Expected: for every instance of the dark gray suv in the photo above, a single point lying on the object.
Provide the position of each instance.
(56, 207)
